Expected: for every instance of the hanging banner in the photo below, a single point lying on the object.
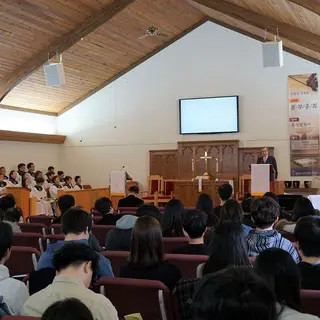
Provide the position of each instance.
(304, 128)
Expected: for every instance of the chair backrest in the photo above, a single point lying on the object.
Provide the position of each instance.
(152, 299)
(28, 239)
(51, 238)
(187, 263)
(172, 243)
(40, 219)
(55, 228)
(311, 301)
(34, 227)
(22, 260)
(288, 236)
(127, 209)
(101, 233)
(118, 259)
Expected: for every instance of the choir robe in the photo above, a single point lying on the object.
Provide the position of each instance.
(20, 175)
(53, 190)
(47, 184)
(67, 187)
(3, 188)
(11, 183)
(43, 205)
(78, 187)
(30, 176)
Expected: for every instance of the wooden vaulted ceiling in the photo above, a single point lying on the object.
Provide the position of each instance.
(99, 39)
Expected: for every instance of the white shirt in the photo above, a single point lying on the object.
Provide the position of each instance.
(290, 314)
(15, 293)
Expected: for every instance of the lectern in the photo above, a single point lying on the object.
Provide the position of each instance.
(260, 179)
(117, 186)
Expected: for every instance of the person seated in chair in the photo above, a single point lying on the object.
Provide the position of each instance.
(194, 227)
(61, 177)
(49, 182)
(68, 183)
(104, 206)
(39, 192)
(132, 200)
(78, 185)
(76, 227)
(12, 216)
(225, 192)
(12, 181)
(53, 190)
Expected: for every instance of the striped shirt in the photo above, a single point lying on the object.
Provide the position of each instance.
(258, 241)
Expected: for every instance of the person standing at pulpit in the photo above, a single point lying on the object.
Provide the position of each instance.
(266, 159)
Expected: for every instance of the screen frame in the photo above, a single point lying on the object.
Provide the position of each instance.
(217, 132)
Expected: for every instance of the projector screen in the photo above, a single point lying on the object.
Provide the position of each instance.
(209, 115)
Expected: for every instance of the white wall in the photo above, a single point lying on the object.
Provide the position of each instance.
(138, 112)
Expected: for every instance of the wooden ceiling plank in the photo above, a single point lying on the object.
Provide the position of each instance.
(312, 5)
(47, 113)
(133, 65)
(294, 34)
(260, 38)
(61, 45)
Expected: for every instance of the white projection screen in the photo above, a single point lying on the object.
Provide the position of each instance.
(209, 115)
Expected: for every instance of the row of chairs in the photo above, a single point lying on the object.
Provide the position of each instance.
(162, 304)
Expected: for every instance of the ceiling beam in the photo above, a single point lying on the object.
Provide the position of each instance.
(312, 5)
(47, 113)
(260, 38)
(61, 45)
(294, 34)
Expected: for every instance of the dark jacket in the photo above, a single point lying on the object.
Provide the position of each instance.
(310, 276)
(109, 219)
(270, 160)
(130, 201)
(199, 249)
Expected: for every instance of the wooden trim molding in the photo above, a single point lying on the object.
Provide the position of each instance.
(312, 5)
(61, 45)
(47, 113)
(31, 137)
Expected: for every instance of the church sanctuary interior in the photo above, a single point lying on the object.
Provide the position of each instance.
(158, 100)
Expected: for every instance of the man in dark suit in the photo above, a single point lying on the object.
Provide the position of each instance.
(132, 200)
(266, 159)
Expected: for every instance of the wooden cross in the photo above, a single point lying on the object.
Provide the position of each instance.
(206, 158)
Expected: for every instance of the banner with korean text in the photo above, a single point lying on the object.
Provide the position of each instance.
(304, 124)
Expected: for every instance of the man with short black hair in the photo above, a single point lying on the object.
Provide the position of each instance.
(132, 200)
(51, 169)
(225, 193)
(21, 172)
(235, 293)
(7, 202)
(76, 265)
(104, 207)
(265, 213)
(76, 227)
(14, 292)
(148, 210)
(307, 233)
(194, 227)
(61, 176)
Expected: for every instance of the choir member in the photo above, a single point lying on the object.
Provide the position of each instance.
(43, 205)
(21, 172)
(61, 176)
(78, 185)
(13, 182)
(51, 169)
(68, 183)
(3, 186)
(49, 181)
(4, 172)
(30, 173)
(53, 190)
(38, 174)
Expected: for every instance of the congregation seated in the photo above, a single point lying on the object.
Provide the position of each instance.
(68, 309)
(12, 217)
(78, 183)
(225, 192)
(246, 208)
(280, 271)
(132, 200)
(307, 233)
(104, 207)
(171, 222)
(14, 292)
(149, 210)
(227, 248)
(76, 265)
(12, 182)
(76, 227)
(146, 259)
(205, 204)
(302, 208)
(194, 227)
(68, 183)
(66, 202)
(54, 187)
(119, 238)
(38, 191)
(235, 293)
(232, 211)
(265, 213)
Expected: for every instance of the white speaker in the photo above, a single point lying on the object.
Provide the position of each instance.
(54, 74)
(272, 54)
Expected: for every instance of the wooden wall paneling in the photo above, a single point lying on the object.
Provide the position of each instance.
(248, 156)
(185, 155)
(164, 163)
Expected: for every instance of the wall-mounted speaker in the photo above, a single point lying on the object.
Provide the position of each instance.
(272, 54)
(54, 74)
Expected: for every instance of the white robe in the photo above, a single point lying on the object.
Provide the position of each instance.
(77, 188)
(13, 185)
(31, 179)
(47, 185)
(65, 188)
(53, 191)
(43, 206)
